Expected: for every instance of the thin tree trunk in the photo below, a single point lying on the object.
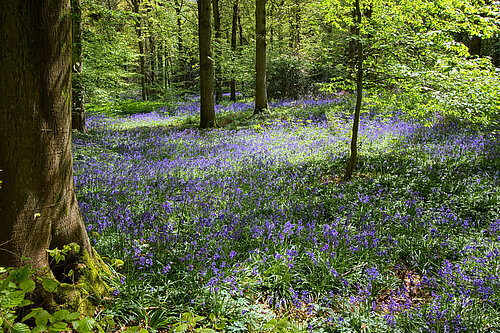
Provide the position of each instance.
(240, 28)
(78, 97)
(496, 53)
(207, 111)
(153, 62)
(38, 206)
(142, 54)
(180, 44)
(260, 58)
(217, 28)
(359, 96)
(234, 31)
(295, 24)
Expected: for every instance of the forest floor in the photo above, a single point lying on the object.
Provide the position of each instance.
(249, 227)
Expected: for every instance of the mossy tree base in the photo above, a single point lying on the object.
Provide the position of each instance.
(83, 294)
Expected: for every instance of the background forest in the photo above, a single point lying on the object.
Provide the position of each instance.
(264, 221)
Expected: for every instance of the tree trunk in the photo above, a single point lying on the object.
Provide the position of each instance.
(240, 28)
(475, 46)
(217, 28)
(496, 52)
(142, 54)
(234, 31)
(38, 207)
(260, 58)
(295, 25)
(181, 77)
(207, 111)
(359, 96)
(78, 99)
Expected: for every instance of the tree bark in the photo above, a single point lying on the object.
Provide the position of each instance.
(78, 96)
(142, 54)
(359, 95)
(218, 74)
(234, 31)
(38, 206)
(180, 44)
(260, 58)
(207, 111)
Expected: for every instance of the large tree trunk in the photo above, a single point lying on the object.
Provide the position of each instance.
(359, 96)
(207, 111)
(218, 54)
(234, 30)
(38, 207)
(78, 106)
(260, 58)
(142, 50)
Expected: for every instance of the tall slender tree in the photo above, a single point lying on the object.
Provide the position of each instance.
(234, 31)
(38, 206)
(359, 92)
(218, 53)
(261, 104)
(136, 6)
(207, 110)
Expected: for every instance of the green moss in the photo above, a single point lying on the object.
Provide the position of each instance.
(86, 293)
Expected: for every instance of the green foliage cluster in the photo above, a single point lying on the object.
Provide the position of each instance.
(15, 288)
(288, 78)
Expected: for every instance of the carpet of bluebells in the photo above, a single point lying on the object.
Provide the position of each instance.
(252, 223)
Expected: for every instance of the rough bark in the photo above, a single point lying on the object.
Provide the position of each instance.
(78, 97)
(136, 4)
(359, 95)
(234, 31)
(260, 58)
(38, 206)
(207, 111)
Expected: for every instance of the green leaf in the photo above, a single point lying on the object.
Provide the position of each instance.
(20, 328)
(84, 325)
(21, 274)
(73, 316)
(39, 329)
(31, 314)
(270, 324)
(25, 303)
(27, 285)
(283, 323)
(49, 284)
(220, 325)
(59, 315)
(42, 318)
(208, 330)
(181, 328)
(12, 299)
(133, 329)
(5, 284)
(58, 327)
